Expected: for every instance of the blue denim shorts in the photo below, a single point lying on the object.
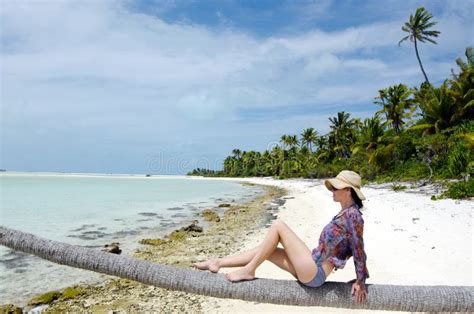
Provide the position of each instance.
(318, 280)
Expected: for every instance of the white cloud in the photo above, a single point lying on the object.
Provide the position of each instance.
(95, 69)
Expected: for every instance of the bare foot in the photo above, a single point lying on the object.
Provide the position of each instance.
(240, 275)
(211, 265)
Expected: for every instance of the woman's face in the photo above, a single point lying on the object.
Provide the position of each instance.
(340, 195)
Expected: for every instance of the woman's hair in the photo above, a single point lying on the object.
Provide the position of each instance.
(356, 198)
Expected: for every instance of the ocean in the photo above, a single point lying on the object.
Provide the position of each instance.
(94, 210)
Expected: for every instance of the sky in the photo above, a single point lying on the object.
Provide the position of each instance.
(166, 86)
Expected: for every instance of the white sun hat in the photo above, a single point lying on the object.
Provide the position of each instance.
(346, 179)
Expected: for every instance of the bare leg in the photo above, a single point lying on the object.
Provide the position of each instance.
(278, 257)
(297, 254)
(238, 260)
(211, 265)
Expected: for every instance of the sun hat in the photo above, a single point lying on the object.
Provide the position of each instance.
(346, 179)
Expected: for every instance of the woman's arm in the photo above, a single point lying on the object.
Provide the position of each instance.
(355, 225)
(355, 228)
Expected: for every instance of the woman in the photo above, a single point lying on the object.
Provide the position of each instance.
(339, 240)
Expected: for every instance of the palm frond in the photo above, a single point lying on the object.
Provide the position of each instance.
(403, 39)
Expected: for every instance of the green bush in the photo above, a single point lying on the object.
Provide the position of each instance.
(398, 187)
(404, 147)
(458, 159)
(460, 190)
(409, 170)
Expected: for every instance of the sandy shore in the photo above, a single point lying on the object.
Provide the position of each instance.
(409, 239)
(180, 248)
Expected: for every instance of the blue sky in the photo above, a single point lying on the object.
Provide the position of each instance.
(166, 86)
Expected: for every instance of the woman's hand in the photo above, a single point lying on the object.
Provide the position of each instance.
(359, 290)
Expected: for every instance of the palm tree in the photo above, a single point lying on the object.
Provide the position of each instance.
(308, 137)
(342, 134)
(394, 101)
(418, 28)
(373, 143)
(439, 110)
(267, 166)
(289, 141)
(322, 142)
(371, 135)
(228, 163)
(462, 87)
(278, 155)
(237, 153)
(259, 164)
(466, 67)
(451, 103)
(323, 152)
(249, 161)
(336, 294)
(305, 159)
(293, 141)
(285, 141)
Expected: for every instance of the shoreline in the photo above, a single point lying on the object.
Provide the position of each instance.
(429, 235)
(237, 222)
(56, 208)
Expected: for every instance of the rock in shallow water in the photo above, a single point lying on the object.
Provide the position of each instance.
(148, 214)
(112, 248)
(210, 215)
(193, 227)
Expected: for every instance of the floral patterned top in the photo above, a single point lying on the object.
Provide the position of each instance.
(343, 238)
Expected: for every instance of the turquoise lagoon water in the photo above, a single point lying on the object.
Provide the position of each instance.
(93, 211)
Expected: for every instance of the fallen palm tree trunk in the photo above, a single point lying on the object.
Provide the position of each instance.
(331, 294)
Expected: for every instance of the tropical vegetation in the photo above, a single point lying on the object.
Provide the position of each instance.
(418, 133)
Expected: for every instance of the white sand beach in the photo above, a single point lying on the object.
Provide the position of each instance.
(409, 239)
